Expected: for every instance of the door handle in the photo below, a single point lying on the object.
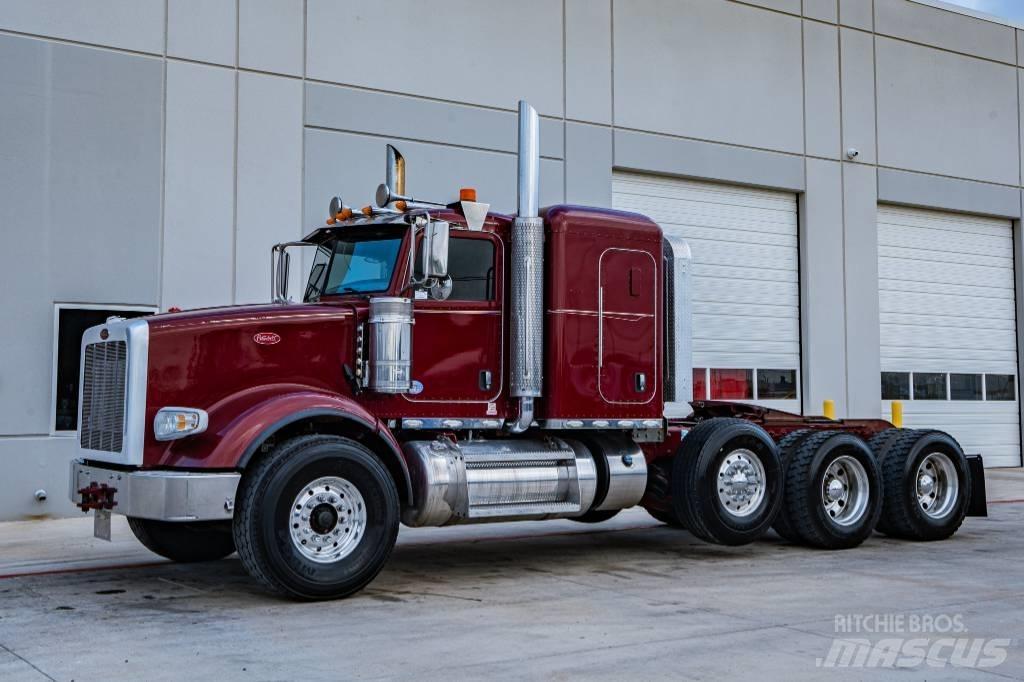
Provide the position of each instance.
(640, 382)
(486, 379)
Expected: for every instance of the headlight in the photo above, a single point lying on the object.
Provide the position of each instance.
(178, 422)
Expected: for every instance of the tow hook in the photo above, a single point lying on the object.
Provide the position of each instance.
(97, 496)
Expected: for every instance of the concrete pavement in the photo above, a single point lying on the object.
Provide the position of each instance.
(627, 599)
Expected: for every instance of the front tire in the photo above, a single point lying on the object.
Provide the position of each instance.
(727, 481)
(185, 542)
(317, 518)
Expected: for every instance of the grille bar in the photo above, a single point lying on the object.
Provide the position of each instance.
(104, 374)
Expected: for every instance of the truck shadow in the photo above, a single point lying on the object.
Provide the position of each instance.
(456, 566)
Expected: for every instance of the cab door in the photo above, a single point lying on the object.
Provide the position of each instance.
(457, 343)
(627, 327)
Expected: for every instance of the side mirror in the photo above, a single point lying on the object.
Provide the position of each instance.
(435, 249)
(281, 267)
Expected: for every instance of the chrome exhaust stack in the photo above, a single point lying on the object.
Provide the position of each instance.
(527, 319)
(394, 172)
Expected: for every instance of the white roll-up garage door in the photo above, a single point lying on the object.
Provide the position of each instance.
(746, 302)
(948, 327)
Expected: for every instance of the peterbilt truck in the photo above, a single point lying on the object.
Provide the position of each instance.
(446, 364)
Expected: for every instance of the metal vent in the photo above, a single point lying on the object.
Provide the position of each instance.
(104, 370)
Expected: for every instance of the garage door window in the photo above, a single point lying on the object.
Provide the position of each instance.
(1000, 387)
(895, 385)
(776, 384)
(965, 387)
(932, 386)
(732, 384)
(929, 386)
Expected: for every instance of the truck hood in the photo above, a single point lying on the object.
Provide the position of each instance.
(227, 360)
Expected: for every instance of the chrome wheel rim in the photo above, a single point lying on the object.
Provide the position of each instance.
(937, 485)
(327, 519)
(741, 483)
(845, 491)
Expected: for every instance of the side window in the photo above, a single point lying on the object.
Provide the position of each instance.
(471, 267)
(71, 323)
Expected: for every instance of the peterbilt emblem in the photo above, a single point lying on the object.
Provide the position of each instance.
(266, 338)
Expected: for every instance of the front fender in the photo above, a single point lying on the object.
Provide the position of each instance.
(241, 424)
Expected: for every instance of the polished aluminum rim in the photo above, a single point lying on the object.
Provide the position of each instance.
(741, 483)
(845, 491)
(327, 519)
(937, 485)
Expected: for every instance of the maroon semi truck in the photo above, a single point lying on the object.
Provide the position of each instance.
(447, 364)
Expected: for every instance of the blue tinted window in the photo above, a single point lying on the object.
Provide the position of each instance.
(363, 265)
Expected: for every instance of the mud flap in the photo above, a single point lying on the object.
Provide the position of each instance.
(979, 501)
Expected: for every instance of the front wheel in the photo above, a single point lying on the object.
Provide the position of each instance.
(317, 518)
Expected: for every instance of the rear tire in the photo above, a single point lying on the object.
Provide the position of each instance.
(316, 518)
(927, 486)
(727, 481)
(833, 491)
(185, 542)
(786, 447)
(880, 444)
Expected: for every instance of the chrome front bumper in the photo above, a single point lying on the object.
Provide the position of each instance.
(159, 495)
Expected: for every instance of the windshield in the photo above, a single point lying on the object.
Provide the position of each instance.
(353, 265)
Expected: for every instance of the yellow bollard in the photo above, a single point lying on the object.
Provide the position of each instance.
(897, 414)
(829, 409)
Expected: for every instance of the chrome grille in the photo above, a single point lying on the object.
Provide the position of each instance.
(104, 371)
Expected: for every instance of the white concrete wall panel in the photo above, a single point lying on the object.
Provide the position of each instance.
(588, 164)
(790, 6)
(707, 160)
(942, 28)
(487, 52)
(271, 35)
(128, 24)
(203, 30)
(857, 14)
(588, 60)
(269, 198)
(822, 289)
(947, 114)
(30, 464)
(933, 191)
(414, 118)
(199, 186)
(432, 170)
(718, 71)
(860, 265)
(821, 90)
(822, 10)
(75, 122)
(857, 71)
